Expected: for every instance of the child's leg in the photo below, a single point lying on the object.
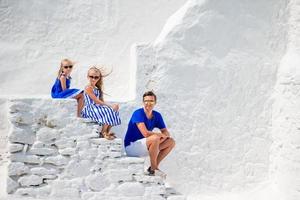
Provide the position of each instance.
(80, 103)
(111, 134)
(104, 128)
(108, 128)
(105, 132)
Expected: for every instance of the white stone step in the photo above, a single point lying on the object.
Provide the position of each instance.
(68, 160)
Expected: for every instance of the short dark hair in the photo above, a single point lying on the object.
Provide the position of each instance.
(149, 93)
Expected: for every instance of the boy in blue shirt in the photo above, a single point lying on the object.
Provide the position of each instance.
(141, 141)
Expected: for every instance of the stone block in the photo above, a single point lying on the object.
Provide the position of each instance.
(78, 168)
(67, 151)
(42, 191)
(56, 160)
(15, 147)
(155, 190)
(118, 175)
(49, 176)
(64, 188)
(47, 134)
(23, 136)
(131, 189)
(65, 143)
(43, 151)
(82, 145)
(103, 141)
(131, 160)
(148, 179)
(30, 180)
(11, 185)
(17, 107)
(21, 119)
(43, 171)
(39, 144)
(136, 169)
(30, 159)
(89, 153)
(96, 182)
(17, 169)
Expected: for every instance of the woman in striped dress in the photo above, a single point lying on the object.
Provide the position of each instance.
(95, 108)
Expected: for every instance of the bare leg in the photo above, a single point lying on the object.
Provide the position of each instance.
(80, 103)
(153, 148)
(164, 149)
(108, 128)
(105, 132)
(111, 134)
(104, 128)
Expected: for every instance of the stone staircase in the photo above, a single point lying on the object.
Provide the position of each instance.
(55, 155)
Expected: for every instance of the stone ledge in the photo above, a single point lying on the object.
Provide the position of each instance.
(66, 159)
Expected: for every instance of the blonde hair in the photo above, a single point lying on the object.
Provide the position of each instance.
(62, 67)
(102, 74)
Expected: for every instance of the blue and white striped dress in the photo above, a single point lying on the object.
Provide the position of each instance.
(101, 114)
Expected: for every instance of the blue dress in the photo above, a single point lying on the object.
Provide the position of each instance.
(101, 114)
(58, 92)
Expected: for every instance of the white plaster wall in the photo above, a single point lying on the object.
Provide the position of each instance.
(285, 151)
(36, 35)
(214, 69)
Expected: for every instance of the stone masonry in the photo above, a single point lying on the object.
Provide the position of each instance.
(53, 154)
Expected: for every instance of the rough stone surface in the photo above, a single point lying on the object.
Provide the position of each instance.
(46, 134)
(15, 147)
(43, 151)
(97, 182)
(17, 169)
(11, 185)
(30, 180)
(30, 159)
(68, 161)
(21, 136)
(131, 189)
(56, 160)
(43, 171)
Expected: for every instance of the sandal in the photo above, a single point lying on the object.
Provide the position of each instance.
(108, 136)
(112, 135)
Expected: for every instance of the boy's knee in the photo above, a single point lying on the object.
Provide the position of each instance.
(172, 142)
(154, 139)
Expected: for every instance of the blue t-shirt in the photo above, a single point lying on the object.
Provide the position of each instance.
(133, 133)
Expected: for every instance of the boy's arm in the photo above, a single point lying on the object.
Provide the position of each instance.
(165, 132)
(145, 132)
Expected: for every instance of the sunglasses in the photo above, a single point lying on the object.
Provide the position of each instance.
(149, 101)
(94, 77)
(68, 66)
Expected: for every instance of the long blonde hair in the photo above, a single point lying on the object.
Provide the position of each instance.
(99, 83)
(62, 66)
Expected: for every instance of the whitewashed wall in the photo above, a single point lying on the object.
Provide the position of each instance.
(214, 68)
(36, 35)
(226, 76)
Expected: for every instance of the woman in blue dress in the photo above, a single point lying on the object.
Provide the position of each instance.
(95, 108)
(61, 87)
